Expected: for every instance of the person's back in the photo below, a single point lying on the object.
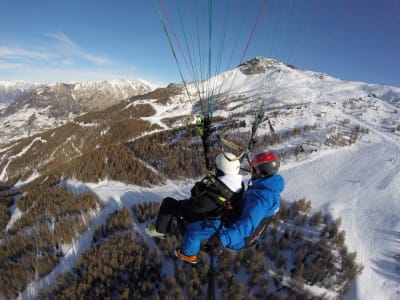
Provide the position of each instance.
(209, 196)
(210, 205)
(208, 200)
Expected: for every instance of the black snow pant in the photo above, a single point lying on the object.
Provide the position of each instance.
(170, 208)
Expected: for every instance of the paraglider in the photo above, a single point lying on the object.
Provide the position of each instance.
(194, 47)
(203, 43)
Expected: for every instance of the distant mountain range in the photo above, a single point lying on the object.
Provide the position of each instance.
(87, 95)
(81, 117)
(12, 90)
(32, 107)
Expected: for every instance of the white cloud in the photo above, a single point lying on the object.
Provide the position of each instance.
(4, 65)
(70, 48)
(6, 52)
(66, 74)
(64, 48)
(68, 62)
(60, 60)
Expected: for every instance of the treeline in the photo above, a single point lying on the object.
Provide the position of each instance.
(121, 268)
(119, 123)
(120, 265)
(117, 221)
(99, 145)
(176, 154)
(120, 111)
(50, 218)
(298, 250)
(114, 162)
(7, 195)
(56, 147)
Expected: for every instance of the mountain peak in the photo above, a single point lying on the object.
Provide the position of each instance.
(260, 64)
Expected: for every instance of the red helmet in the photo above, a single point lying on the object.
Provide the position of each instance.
(264, 164)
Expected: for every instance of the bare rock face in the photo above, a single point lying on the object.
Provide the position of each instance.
(13, 90)
(258, 65)
(100, 95)
(61, 99)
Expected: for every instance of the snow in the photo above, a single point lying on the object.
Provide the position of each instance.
(115, 195)
(23, 151)
(363, 192)
(359, 184)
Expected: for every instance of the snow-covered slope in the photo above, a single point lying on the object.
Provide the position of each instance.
(360, 185)
(12, 90)
(33, 108)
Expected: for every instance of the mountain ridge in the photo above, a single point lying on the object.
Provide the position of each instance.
(46, 106)
(85, 93)
(237, 93)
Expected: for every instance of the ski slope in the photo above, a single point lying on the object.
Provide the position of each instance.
(360, 185)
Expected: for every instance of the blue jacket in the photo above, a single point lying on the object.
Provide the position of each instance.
(261, 200)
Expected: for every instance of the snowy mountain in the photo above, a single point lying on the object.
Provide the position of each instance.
(12, 90)
(339, 142)
(36, 108)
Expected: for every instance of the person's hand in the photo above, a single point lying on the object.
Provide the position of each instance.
(214, 245)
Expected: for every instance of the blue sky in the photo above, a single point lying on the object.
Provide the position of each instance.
(90, 40)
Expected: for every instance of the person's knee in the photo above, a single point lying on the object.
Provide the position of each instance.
(168, 204)
(168, 200)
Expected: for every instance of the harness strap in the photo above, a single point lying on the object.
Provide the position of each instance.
(225, 196)
(251, 240)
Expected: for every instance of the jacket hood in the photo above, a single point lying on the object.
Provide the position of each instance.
(275, 183)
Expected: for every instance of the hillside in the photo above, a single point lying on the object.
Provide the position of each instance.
(34, 108)
(325, 130)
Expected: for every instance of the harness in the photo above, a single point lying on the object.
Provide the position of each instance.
(215, 199)
(253, 239)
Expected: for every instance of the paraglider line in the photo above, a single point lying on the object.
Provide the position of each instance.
(254, 29)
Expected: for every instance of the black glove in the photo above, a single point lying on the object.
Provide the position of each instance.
(214, 245)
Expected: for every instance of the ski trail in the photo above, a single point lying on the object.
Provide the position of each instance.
(371, 128)
(369, 213)
(115, 197)
(386, 180)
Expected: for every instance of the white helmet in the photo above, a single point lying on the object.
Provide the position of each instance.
(227, 163)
